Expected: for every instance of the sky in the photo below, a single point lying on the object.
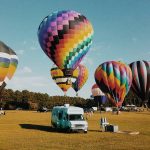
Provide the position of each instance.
(121, 32)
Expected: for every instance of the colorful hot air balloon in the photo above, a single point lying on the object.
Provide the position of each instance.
(8, 64)
(114, 79)
(81, 79)
(12, 66)
(141, 79)
(65, 36)
(61, 80)
(98, 95)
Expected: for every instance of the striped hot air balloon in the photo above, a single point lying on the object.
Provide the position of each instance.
(8, 64)
(81, 79)
(65, 37)
(61, 80)
(141, 79)
(114, 79)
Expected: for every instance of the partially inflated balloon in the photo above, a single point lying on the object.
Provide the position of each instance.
(81, 79)
(114, 79)
(61, 80)
(141, 79)
(65, 36)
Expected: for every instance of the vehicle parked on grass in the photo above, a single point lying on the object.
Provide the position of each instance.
(69, 118)
(42, 109)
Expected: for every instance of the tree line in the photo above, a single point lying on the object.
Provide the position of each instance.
(27, 100)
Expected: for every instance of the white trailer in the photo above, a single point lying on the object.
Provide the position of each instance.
(69, 118)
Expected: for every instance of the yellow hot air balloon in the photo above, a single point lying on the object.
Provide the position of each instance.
(8, 64)
(64, 82)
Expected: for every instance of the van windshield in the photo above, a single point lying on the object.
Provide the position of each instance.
(77, 117)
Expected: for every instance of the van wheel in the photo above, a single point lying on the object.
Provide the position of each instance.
(68, 130)
(85, 131)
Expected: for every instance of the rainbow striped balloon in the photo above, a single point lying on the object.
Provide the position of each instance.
(141, 79)
(81, 79)
(61, 80)
(114, 79)
(65, 36)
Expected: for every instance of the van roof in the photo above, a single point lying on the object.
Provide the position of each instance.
(70, 109)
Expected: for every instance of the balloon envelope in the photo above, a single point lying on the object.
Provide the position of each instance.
(8, 64)
(4, 61)
(81, 79)
(61, 80)
(114, 79)
(65, 37)
(141, 79)
(96, 91)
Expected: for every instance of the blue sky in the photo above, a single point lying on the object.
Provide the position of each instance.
(121, 32)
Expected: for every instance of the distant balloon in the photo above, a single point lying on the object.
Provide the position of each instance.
(98, 95)
(96, 91)
(114, 79)
(81, 79)
(8, 64)
(141, 79)
(65, 37)
(61, 80)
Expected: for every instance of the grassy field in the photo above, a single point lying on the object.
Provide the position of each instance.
(29, 130)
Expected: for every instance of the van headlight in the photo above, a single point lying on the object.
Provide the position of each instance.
(72, 125)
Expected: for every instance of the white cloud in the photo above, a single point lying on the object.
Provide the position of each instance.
(25, 69)
(34, 83)
(87, 61)
(20, 52)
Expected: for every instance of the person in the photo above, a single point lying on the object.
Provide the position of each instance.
(103, 123)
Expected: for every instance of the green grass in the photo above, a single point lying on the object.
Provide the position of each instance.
(29, 130)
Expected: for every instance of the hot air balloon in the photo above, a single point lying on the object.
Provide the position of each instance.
(81, 79)
(98, 95)
(65, 37)
(141, 79)
(61, 80)
(8, 64)
(114, 79)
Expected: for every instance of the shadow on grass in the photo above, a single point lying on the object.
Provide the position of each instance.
(94, 130)
(38, 127)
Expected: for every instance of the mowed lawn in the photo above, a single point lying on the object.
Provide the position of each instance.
(30, 130)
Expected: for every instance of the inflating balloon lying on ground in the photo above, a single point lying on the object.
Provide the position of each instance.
(8, 64)
(65, 37)
(141, 79)
(114, 79)
(81, 79)
(64, 82)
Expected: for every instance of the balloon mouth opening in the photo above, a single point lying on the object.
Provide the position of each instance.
(67, 72)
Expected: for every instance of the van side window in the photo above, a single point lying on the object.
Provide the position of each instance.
(60, 115)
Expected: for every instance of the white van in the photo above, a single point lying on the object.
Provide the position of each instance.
(68, 118)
